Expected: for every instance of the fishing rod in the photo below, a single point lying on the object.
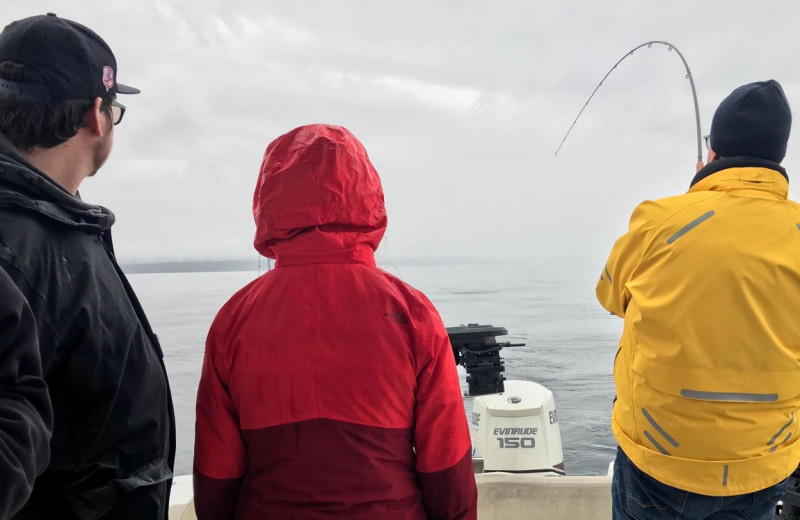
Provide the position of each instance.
(269, 264)
(649, 44)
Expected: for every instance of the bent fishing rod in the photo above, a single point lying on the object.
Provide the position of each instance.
(649, 44)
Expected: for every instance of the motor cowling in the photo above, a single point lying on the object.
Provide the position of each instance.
(517, 430)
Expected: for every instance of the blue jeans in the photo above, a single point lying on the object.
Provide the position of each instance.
(636, 495)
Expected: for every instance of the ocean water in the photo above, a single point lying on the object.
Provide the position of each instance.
(570, 341)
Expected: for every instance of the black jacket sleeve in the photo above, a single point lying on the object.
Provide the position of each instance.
(26, 417)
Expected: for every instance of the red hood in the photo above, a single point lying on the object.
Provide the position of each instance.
(318, 196)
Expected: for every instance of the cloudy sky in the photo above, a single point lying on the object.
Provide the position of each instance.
(461, 105)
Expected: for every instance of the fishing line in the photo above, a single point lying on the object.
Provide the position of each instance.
(649, 44)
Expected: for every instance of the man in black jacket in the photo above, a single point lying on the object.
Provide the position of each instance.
(113, 443)
(25, 413)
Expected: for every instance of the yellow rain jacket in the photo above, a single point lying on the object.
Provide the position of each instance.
(708, 368)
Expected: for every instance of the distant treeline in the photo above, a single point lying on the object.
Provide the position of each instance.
(197, 266)
(214, 266)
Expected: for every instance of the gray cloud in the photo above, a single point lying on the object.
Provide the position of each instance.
(461, 106)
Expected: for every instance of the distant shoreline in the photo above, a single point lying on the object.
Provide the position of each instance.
(194, 266)
(218, 266)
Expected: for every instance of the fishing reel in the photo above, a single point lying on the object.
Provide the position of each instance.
(789, 507)
(475, 348)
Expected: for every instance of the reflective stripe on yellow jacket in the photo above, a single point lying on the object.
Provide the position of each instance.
(708, 369)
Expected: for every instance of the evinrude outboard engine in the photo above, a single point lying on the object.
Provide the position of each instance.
(514, 425)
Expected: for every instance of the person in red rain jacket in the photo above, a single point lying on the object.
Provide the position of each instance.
(329, 386)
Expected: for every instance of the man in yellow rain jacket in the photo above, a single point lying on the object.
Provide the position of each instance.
(708, 368)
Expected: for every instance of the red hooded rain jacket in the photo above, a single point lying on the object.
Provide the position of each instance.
(328, 386)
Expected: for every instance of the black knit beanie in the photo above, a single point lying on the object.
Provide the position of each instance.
(754, 121)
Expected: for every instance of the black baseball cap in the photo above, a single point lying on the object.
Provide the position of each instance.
(73, 60)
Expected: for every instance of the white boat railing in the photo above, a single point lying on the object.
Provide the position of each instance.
(504, 496)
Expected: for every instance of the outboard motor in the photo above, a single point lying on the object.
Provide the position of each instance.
(514, 424)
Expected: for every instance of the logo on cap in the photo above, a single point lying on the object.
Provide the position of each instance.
(108, 77)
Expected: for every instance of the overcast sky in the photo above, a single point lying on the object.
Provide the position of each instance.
(461, 105)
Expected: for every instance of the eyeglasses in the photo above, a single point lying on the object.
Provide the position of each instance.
(705, 137)
(118, 110)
